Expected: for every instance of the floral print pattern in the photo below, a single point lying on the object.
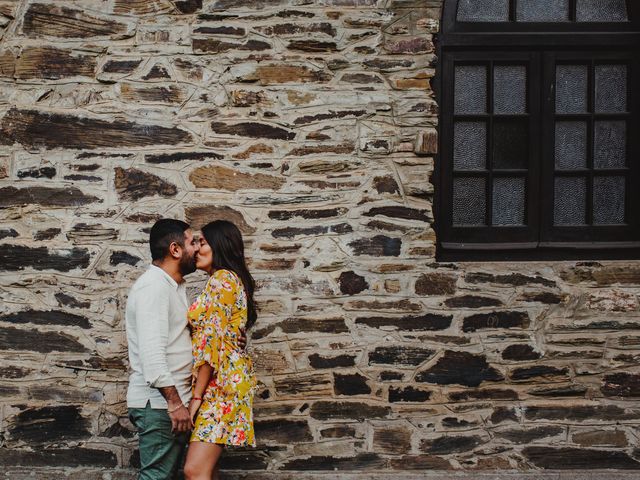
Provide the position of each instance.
(216, 319)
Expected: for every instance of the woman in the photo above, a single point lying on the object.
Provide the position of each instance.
(223, 378)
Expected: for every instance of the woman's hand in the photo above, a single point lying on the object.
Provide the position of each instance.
(194, 406)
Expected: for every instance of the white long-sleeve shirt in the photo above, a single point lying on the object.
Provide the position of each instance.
(158, 339)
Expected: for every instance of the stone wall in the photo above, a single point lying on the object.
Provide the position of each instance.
(310, 123)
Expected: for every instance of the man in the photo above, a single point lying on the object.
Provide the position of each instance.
(160, 350)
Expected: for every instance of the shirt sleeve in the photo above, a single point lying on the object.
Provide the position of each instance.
(152, 325)
(221, 289)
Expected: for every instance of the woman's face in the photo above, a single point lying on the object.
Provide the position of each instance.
(204, 258)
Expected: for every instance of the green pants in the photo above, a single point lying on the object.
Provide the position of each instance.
(160, 450)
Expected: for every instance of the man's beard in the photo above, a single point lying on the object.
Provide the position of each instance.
(187, 264)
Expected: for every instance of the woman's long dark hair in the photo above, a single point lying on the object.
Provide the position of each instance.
(225, 240)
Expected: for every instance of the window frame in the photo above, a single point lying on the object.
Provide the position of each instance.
(476, 42)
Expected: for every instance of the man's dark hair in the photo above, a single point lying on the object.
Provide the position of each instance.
(163, 233)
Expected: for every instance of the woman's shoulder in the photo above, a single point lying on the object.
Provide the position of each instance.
(226, 277)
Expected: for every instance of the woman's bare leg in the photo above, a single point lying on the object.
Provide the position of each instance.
(202, 460)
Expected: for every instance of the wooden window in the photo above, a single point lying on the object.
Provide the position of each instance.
(538, 158)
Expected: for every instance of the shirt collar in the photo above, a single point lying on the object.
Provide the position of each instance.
(166, 276)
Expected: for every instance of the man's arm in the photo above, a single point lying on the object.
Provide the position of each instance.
(152, 324)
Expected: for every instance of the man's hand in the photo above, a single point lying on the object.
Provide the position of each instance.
(242, 339)
(180, 419)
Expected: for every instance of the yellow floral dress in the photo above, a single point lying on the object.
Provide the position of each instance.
(216, 318)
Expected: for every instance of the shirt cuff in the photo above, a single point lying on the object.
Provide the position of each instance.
(163, 380)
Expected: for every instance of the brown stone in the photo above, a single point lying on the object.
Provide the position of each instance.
(284, 29)
(352, 283)
(43, 20)
(46, 196)
(427, 142)
(306, 213)
(199, 215)
(528, 435)
(169, 94)
(513, 279)
(38, 129)
(120, 66)
(329, 410)
(408, 394)
(47, 63)
(410, 46)
(276, 74)
(274, 264)
(283, 431)
(450, 444)
(181, 156)
(331, 114)
(495, 320)
(386, 184)
(460, 368)
(253, 130)
(392, 440)
(520, 352)
(84, 233)
(377, 246)
(601, 438)
(318, 149)
(472, 301)
(362, 461)
(436, 284)
(213, 46)
(400, 355)
(134, 184)
(256, 149)
(621, 385)
(404, 213)
(603, 275)
(428, 322)
(36, 341)
(579, 459)
(315, 384)
(143, 7)
(224, 178)
(420, 462)
(312, 46)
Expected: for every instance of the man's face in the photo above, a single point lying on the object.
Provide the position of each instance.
(188, 259)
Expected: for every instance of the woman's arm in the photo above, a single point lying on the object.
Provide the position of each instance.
(205, 371)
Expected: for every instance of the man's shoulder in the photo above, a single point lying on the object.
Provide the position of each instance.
(151, 278)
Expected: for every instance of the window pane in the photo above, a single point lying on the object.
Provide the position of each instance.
(508, 201)
(510, 143)
(601, 11)
(469, 201)
(570, 200)
(469, 145)
(470, 89)
(611, 88)
(610, 144)
(608, 200)
(571, 88)
(483, 11)
(542, 11)
(571, 145)
(509, 89)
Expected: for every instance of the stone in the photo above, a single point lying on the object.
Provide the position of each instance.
(436, 284)
(121, 257)
(291, 232)
(350, 384)
(428, 322)
(199, 215)
(215, 46)
(453, 422)
(142, 7)
(404, 213)
(576, 412)
(43, 172)
(188, 6)
(83, 233)
(543, 297)
(18, 257)
(601, 438)
(37, 341)
(562, 391)
(46, 63)
(284, 29)
(320, 362)
(338, 432)
(415, 45)
(577, 458)
(320, 149)
(46, 196)
(484, 394)
(312, 46)
(351, 283)
(330, 410)
(8, 233)
(419, 462)
(306, 214)
(253, 130)
(362, 461)
(379, 245)
(544, 371)
(38, 129)
(224, 178)
(121, 66)
(495, 320)
(43, 20)
(305, 325)
(520, 352)
(48, 424)
(400, 355)
(408, 394)
(513, 279)
(426, 142)
(58, 457)
(502, 414)
(528, 435)
(329, 115)
(450, 444)
(278, 74)
(460, 368)
(47, 317)
(621, 384)
(472, 301)
(392, 440)
(283, 431)
(310, 384)
(386, 184)
(134, 184)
